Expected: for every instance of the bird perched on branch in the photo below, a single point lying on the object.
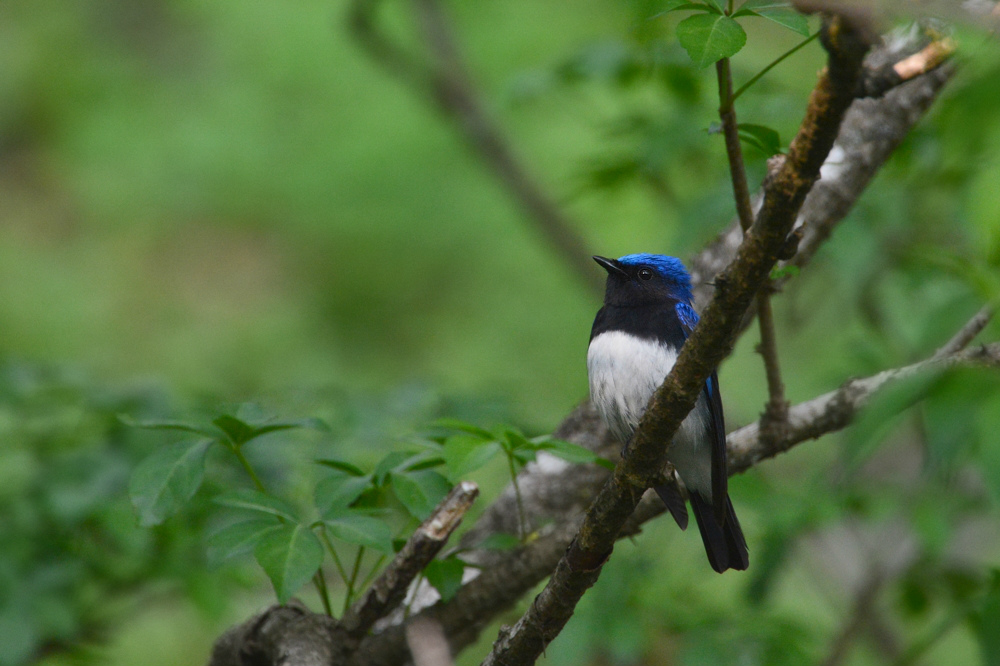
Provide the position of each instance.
(637, 335)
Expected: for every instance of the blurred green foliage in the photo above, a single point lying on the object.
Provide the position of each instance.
(74, 558)
(229, 197)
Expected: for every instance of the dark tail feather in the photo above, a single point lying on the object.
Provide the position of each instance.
(671, 496)
(725, 545)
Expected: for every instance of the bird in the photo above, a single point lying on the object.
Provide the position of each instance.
(637, 334)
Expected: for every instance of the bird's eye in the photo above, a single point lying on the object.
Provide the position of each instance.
(645, 274)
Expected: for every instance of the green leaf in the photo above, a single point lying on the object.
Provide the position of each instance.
(419, 491)
(764, 139)
(517, 441)
(462, 426)
(342, 466)
(239, 538)
(573, 453)
(311, 424)
(466, 453)
(362, 531)
(166, 480)
(168, 424)
(423, 460)
(525, 456)
(254, 500)
(289, 555)
(236, 430)
(391, 462)
(715, 6)
(445, 576)
(781, 13)
(677, 5)
(334, 494)
(708, 38)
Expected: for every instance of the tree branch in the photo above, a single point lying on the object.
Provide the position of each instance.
(871, 131)
(962, 339)
(447, 86)
(836, 409)
(777, 406)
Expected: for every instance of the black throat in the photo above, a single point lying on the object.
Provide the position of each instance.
(654, 321)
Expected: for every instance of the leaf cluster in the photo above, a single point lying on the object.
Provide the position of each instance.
(367, 511)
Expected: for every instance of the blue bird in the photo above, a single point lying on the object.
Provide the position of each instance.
(635, 340)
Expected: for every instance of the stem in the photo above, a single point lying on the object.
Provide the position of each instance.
(756, 77)
(320, 581)
(249, 470)
(333, 552)
(371, 574)
(734, 151)
(353, 578)
(776, 410)
(522, 521)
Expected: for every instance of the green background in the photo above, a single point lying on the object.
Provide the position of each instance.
(209, 203)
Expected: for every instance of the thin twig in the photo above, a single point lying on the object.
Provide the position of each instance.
(777, 406)
(776, 409)
(968, 332)
(734, 150)
(836, 409)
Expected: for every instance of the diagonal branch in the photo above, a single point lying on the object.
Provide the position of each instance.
(835, 410)
(973, 328)
(446, 84)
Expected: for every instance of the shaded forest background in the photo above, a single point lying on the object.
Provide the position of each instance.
(212, 203)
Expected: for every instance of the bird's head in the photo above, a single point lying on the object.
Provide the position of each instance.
(641, 279)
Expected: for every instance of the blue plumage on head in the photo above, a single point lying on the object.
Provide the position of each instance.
(671, 269)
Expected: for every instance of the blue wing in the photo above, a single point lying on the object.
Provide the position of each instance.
(720, 476)
(688, 317)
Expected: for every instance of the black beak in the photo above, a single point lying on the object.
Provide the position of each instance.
(610, 265)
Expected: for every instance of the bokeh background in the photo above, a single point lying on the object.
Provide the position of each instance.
(211, 203)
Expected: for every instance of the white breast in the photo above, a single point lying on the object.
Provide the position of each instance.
(624, 373)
